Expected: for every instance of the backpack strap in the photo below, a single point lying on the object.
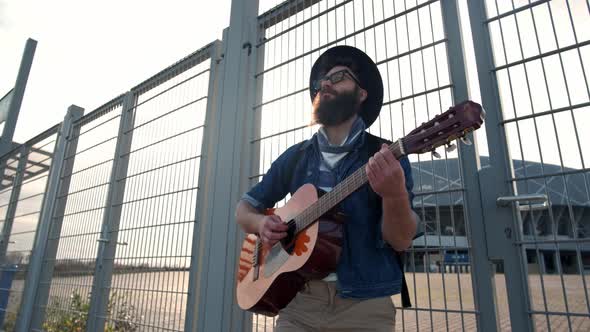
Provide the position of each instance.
(374, 145)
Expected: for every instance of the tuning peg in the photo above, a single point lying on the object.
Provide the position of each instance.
(465, 141)
(435, 154)
(450, 147)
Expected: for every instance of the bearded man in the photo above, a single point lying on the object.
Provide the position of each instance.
(346, 91)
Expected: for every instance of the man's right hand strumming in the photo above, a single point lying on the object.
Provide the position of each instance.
(271, 229)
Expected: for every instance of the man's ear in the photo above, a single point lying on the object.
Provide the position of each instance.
(362, 95)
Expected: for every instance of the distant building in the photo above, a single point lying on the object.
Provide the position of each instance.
(566, 218)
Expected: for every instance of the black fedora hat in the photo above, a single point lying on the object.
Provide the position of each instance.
(366, 72)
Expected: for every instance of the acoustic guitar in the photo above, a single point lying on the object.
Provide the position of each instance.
(269, 278)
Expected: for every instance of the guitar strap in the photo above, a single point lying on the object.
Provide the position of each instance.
(374, 144)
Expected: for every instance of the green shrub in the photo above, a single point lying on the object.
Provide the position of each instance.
(9, 322)
(73, 316)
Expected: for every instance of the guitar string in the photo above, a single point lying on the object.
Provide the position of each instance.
(343, 189)
(350, 184)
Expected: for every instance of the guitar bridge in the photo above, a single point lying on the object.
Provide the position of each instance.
(255, 264)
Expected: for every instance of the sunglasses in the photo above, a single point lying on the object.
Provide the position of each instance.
(334, 78)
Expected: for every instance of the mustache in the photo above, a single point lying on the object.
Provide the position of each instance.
(328, 89)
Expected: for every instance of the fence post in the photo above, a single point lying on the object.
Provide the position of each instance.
(218, 239)
(251, 149)
(43, 255)
(499, 221)
(17, 97)
(112, 216)
(18, 92)
(13, 202)
(214, 92)
(482, 279)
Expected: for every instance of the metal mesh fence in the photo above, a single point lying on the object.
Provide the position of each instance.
(21, 197)
(149, 282)
(407, 40)
(76, 227)
(541, 52)
(11, 261)
(158, 211)
(10, 171)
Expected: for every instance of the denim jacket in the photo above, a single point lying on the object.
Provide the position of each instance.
(368, 266)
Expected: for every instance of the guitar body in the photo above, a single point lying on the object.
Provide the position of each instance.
(282, 272)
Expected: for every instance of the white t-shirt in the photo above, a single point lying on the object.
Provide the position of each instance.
(330, 160)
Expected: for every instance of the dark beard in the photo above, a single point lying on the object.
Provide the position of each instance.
(337, 110)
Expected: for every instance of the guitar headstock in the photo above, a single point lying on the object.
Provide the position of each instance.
(445, 128)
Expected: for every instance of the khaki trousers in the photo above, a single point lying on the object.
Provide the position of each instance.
(318, 308)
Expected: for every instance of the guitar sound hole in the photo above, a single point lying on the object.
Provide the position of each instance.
(288, 242)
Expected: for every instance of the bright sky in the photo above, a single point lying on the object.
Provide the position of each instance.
(90, 52)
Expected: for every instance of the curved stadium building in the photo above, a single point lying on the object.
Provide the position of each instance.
(553, 232)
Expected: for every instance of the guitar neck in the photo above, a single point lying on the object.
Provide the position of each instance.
(340, 192)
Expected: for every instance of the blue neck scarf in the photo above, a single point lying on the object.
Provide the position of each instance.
(355, 133)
